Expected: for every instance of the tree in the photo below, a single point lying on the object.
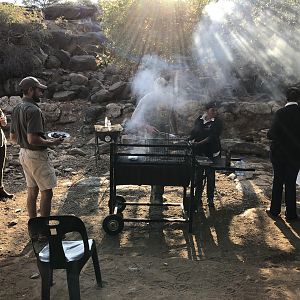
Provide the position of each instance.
(139, 27)
(40, 3)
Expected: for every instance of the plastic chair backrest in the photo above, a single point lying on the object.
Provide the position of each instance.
(54, 228)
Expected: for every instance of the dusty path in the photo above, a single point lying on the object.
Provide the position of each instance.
(235, 251)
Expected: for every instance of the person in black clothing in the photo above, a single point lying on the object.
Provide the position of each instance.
(285, 155)
(205, 137)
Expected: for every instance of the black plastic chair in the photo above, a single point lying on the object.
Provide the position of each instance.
(56, 253)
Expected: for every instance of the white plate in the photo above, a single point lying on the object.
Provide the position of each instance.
(63, 134)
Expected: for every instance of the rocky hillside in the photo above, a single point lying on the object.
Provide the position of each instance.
(74, 60)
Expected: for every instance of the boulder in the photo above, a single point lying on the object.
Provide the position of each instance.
(95, 84)
(76, 151)
(78, 79)
(52, 62)
(64, 57)
(101, 96)
(64, 95)
(111, 69)
(94, 38)
(69, 12)
(78, 50)
(60, 39)
(51, 111)
(92, 114)
(113, 110)
(11, 87)
(117, 88)
(83, 63)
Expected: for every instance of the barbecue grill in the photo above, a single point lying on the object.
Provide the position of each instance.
(164, 162)
(167, 162)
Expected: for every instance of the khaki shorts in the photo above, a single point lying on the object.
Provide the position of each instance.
(38, 169)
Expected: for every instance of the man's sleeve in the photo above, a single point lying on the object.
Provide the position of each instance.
(34, 121)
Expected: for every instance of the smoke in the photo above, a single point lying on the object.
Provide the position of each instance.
(240, 47)
(250, 45)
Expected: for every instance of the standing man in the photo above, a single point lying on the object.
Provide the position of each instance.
(285, 155)
(205, 137)
(27, 130)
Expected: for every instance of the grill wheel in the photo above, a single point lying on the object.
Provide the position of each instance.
(113, 224)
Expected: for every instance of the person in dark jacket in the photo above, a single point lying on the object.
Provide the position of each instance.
(3, 122)
(205, 137)
(285, 155)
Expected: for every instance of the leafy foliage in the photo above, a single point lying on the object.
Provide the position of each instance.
(139, 27)
(40, 3)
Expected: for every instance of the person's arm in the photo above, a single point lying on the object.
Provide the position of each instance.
(35, 139)
(35, 129)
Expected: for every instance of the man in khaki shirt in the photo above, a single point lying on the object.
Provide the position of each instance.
(27, 130)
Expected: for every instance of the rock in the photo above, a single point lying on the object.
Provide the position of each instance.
(51, 111)
(91, 141)
(101, 96)
(232, 176)
(113, 110)
(117, 88)
(250, 148)
(96, 38)
(87, 129)
(128, 109)
(100, 75)
(104, 148)
(11, 87)
(111, 69)
(78, 79)
(42, 56)
(64, 57)
(90, 27)
(52, 62)
(78, 50)
(68, 170)
(64, 95)
(83, 63)
(76, 151)
(92, 114)
(95, 84)
(12, 223)
(69, 12)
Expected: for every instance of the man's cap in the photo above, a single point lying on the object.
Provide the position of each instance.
(293, 94)
(29, 82)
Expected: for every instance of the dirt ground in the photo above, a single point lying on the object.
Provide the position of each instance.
(235, 251)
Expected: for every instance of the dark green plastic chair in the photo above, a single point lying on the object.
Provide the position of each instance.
(55, 253)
